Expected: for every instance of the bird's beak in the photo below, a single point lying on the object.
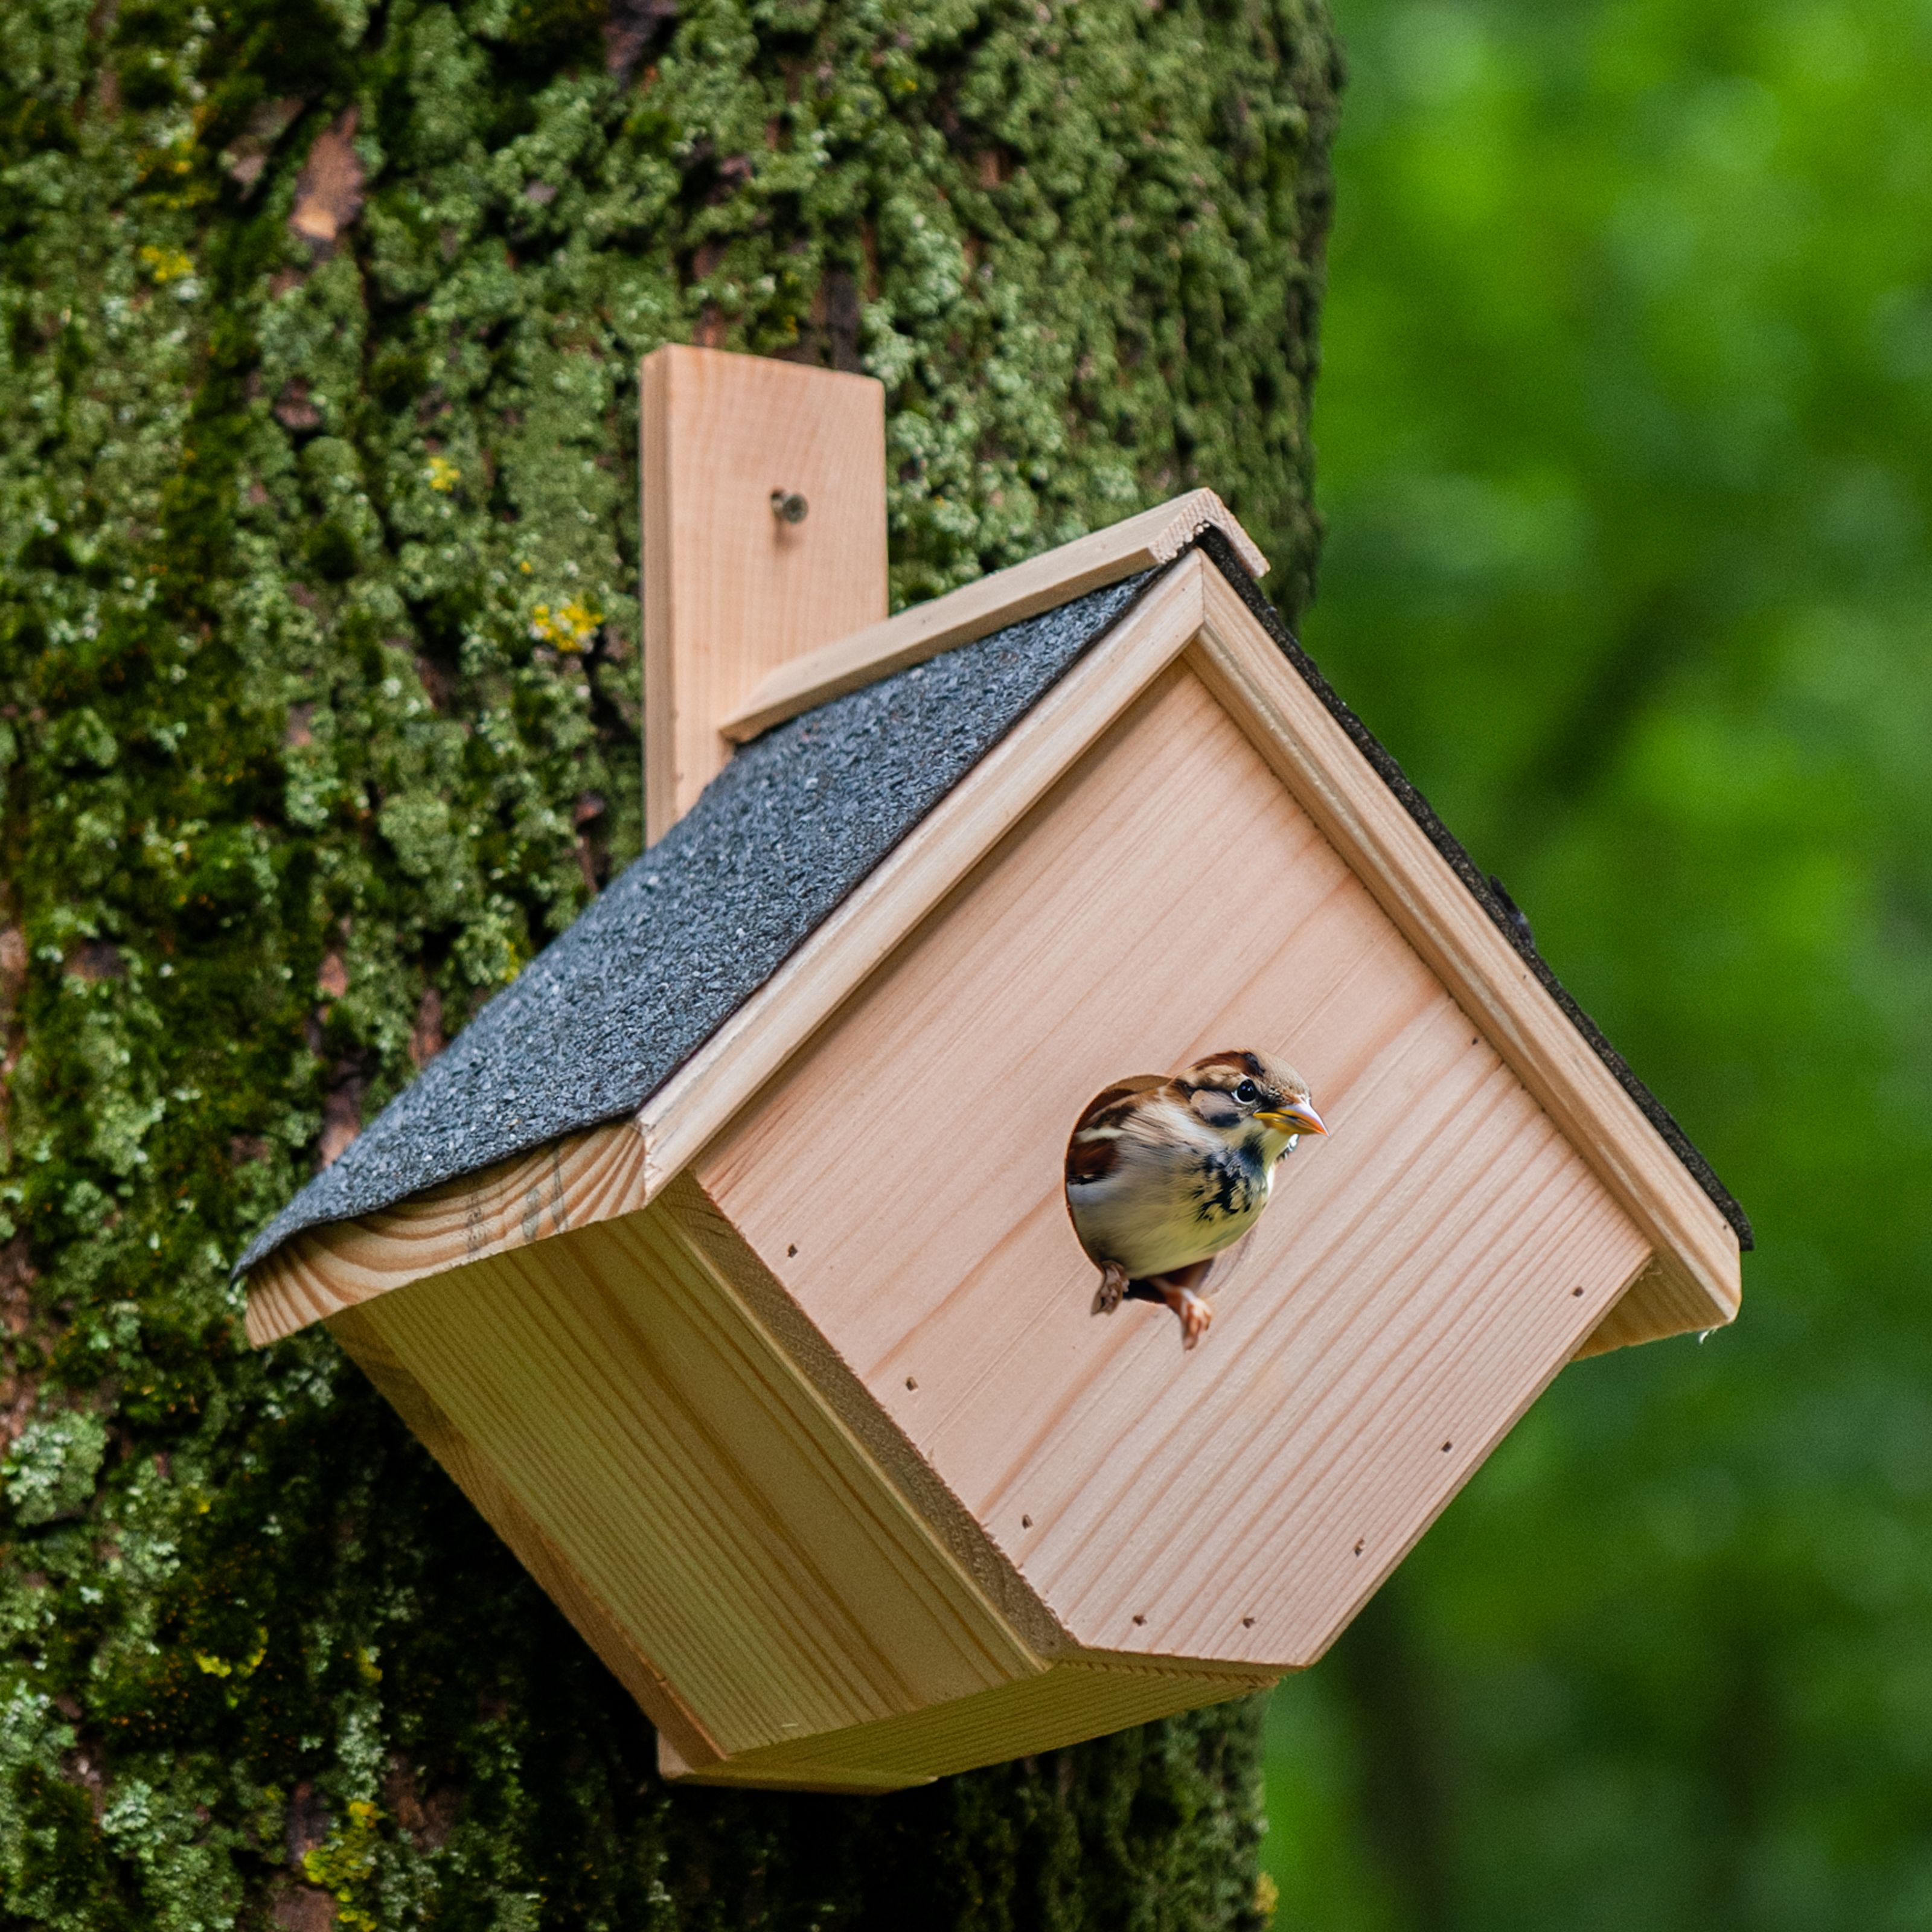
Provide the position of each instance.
(1297, 1118)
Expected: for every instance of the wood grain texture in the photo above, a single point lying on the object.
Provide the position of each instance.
(1697, 1284)
(475, 1476)
(581, 1178)
(1415, 1285)
(731, 591)
(977, 610)
(733, 1529)
(1076, 1700)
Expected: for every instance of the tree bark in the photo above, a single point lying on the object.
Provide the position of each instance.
(319, 716)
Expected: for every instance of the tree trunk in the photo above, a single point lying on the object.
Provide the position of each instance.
(319, 716)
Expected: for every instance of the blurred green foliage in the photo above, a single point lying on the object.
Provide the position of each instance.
(1625, 446)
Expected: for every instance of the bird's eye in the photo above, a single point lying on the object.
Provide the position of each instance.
(1247, 1091)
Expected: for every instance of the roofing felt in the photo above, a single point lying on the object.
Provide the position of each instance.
(675, 944)
(799, 818)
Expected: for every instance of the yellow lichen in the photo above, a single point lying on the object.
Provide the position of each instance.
(570, 626)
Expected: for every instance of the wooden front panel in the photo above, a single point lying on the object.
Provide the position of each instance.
(1420, 1277)
(727, 1524)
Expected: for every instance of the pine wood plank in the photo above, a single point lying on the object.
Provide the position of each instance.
(1698, 1282)
(477, 1478)
(1416, 1284)
(582, 1178)
(732, 591)
(1076, 1700)
(734, 1532)
(977, 610)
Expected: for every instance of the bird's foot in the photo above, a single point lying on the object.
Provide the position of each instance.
(1195, 1311)
(1113, 1285)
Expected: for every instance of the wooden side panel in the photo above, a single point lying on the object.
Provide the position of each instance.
(552, 1569)
(1076, 1700)
(1421, 1276)
(732, 591)
(731, 1529)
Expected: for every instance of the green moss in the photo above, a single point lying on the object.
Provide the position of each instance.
(318, 716)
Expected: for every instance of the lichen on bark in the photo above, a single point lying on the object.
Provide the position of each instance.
(319, 324)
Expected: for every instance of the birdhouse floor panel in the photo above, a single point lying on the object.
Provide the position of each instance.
(1077, 1698)
(1413, 1284)
(640, 1417)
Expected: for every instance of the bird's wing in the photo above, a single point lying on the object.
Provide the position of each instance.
(1093, 1148)
(1110, 1097)
(1090, 1160)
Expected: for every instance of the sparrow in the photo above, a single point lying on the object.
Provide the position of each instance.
(1163, 1174)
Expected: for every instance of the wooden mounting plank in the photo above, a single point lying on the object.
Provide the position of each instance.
(1697, 1283)
(732, 590)
(977, 610)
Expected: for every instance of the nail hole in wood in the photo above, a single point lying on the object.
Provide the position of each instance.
(1026, 1523)
(1446, 1446)
(1247, 1623)
(789, 507)
(1358, 1549)
(1575, 1291)
(790, 1251)
(912, 1381)
(1140, 1620)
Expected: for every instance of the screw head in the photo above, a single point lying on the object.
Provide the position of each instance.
(789, 507)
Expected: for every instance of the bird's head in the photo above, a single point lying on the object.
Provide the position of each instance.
(1245, 1093)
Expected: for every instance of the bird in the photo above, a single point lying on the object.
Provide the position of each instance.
(1164, 1173)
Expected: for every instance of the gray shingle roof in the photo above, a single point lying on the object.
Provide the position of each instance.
(672, 948)
(676, 944)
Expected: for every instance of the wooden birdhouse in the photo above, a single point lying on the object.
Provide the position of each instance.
(723, 1260)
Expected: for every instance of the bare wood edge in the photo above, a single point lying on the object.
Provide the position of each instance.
(790, 1765)
(1698, 1281)
(707, 1091)
(824, 1375)
(570, 1182)
(655, 589)
(1654, 1306)
(1043, 582)
(618, 1169)
(554, 1571)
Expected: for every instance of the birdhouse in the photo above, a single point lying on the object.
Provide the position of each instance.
(724, 1260)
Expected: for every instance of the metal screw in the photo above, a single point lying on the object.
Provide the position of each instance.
(788, 506)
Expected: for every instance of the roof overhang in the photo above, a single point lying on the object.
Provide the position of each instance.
(1192, 610)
